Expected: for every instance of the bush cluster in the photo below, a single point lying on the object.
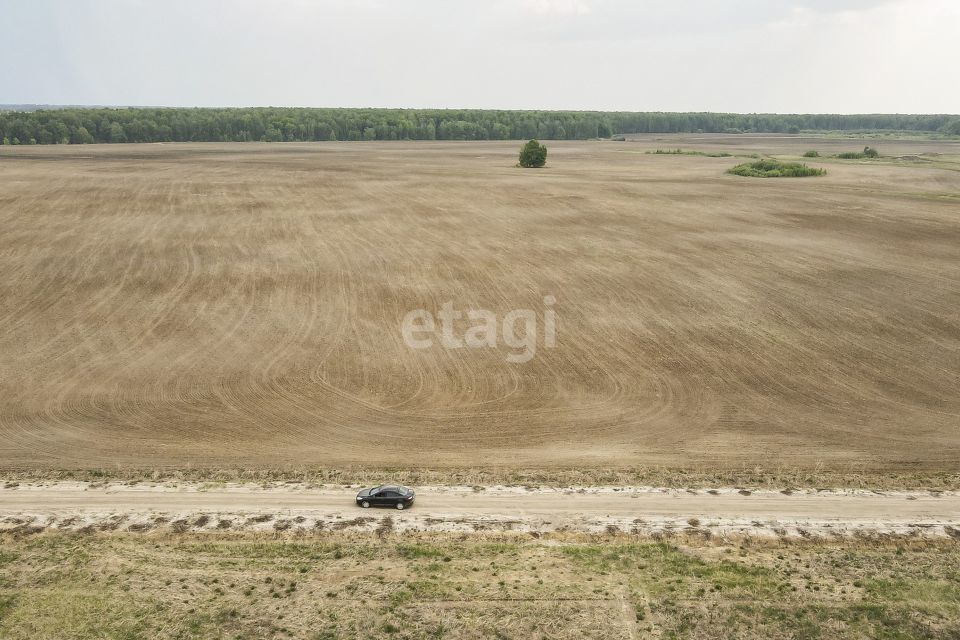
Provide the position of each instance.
(868, 152)
(770, 168)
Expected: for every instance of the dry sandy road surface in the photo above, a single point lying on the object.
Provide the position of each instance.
(76, 505)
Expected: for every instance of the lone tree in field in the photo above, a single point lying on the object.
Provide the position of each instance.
(533, 154)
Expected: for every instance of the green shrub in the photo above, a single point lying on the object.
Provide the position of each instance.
(813, 153)
(770, 168)
(868, 152)
(533, 154)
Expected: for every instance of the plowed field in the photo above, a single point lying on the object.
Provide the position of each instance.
(241, 305)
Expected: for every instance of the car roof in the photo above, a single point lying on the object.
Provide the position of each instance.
(390, 487)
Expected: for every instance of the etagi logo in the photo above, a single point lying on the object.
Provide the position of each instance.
(419, 328)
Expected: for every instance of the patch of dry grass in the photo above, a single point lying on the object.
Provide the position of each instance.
(506, 586)
(693, 477)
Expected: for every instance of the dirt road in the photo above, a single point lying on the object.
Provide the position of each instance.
(491, 508)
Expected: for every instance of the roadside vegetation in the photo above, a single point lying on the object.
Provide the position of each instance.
(813, 153)
(333, 585)
(771, 168)
(757, 477)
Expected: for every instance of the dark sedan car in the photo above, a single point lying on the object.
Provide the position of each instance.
(386, 495)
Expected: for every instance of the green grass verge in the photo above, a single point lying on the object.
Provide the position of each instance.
(333, 585)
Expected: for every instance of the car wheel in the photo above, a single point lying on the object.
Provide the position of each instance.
(400, 506)
(365, 504)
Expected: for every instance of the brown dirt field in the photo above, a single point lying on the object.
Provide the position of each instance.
(239, 305)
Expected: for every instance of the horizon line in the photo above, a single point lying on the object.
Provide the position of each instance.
(37, 106)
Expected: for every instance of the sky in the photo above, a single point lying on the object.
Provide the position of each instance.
(772, 56)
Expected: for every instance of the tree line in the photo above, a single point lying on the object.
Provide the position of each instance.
(275, 124)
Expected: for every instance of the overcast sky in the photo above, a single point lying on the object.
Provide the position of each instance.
(787, 56)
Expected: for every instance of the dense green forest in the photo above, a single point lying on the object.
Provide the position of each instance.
(80, 125)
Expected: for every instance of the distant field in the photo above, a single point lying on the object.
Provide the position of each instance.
(239, 305)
